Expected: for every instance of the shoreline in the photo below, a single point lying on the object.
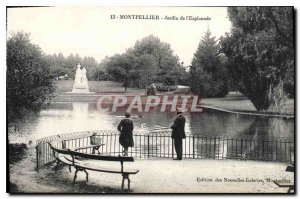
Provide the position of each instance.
(233, 101)
(254, 113)
(92, 99)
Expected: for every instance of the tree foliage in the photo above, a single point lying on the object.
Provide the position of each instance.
(208, 76)
(260, 51)
(121, 67)
(99, 72)
(28, 83)
(166, 64)
(150, 60)
(61, 66)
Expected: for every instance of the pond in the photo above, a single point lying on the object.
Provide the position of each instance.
(73, 117)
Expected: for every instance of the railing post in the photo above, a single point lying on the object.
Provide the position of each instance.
(276, 151)
(148, 145)
(285, 158)
(215, 145)
(63, 144)
(193, 146)
(262, 148)
(172, 148)
(241, 148)
(37, 157)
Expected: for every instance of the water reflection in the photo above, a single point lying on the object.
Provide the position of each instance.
(80, 115)
(219, 123)
(264, 139)
(72, 117)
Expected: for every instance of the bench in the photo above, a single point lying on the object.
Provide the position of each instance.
(290, 185)
(94, 147)
(60, 158)
(69, 157)
(95, 143)
(290, 168)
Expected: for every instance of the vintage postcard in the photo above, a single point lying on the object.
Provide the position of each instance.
(129, 100)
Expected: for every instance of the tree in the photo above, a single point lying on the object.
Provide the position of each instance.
(61, 66)
(121, 67)
(71, 63)
(28, 83)
(164, 63)
(90, 64)
(150, 60)
(260, 52)
(57, 64)
(208, 76)
(100, 72)
(144, 71)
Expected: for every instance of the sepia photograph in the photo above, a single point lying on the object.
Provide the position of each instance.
(150, 99)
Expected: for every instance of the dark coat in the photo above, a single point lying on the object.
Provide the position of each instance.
(126, 128)
(178, 128)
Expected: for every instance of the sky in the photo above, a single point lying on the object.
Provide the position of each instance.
(90, 31)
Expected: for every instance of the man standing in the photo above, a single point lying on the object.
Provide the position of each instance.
(126, 137)
(178, 133)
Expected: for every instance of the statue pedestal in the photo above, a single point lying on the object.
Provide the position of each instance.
(80, 82)
(80, 88)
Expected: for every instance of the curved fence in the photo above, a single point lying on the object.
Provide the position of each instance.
(159, 144)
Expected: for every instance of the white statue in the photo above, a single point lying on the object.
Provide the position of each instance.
(78, 75)
(83, 79)
(80, 82)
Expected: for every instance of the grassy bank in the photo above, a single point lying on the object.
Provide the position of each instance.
(63, 86)
(232, 102)
(238, 102)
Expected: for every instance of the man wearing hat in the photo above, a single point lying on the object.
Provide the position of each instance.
(126, 128)
(178, 133)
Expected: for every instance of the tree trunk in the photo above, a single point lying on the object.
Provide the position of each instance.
(146, 90)
(146, 86)
(125, 85)
(260, 102)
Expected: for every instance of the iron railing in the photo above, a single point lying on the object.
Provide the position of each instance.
(159, 144)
